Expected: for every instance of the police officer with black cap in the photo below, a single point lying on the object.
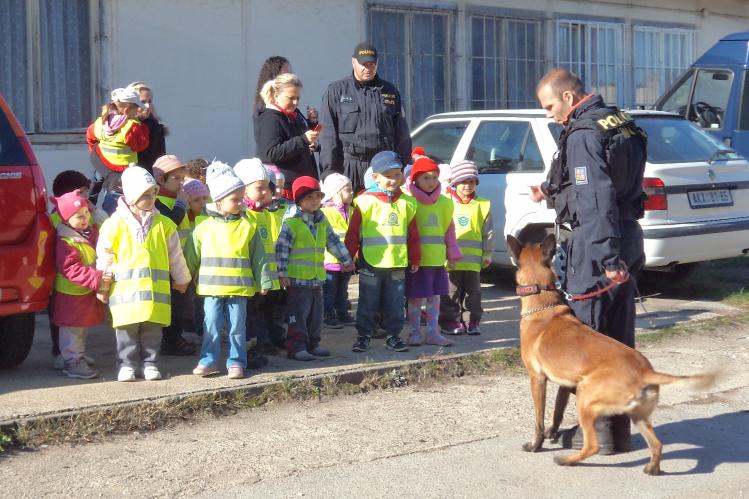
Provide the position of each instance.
(360, 116)
(595, 187)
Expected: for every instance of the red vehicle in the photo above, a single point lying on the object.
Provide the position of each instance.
(27, 267)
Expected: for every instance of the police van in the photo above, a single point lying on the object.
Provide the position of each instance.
(698, 190)
(714, 92)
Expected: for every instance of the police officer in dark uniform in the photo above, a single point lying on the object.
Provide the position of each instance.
(361, 115)
(595, 186)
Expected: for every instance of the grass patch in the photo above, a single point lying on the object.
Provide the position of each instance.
(95, 425)
(694, 327)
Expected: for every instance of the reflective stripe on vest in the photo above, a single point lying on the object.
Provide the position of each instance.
(113, 147)
(141, 288)
(184, 228)
(261, 220)
(384, 229)
(339, 223)
(433, 221)
(88, 257)
(306, 256)
(225, 265)
(469, 222)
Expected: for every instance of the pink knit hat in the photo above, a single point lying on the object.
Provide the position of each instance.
(462, 171)
(69, 203)
(165, 164)
(195, 188)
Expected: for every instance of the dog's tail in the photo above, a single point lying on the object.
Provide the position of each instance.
(696, 382)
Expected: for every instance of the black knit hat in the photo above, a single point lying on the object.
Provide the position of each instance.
(68, 181)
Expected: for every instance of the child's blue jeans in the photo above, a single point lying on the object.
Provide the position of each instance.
(381, 290)
(219, 311)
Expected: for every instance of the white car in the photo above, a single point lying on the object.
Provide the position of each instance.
(698, 205)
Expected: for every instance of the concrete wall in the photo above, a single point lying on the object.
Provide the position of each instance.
(202, 57)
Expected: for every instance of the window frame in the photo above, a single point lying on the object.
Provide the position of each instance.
(449, 64)
(37, 134)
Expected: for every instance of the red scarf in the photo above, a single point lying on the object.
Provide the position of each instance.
(289, 114)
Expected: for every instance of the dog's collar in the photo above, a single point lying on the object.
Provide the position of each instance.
(539, 309)
(534, 289)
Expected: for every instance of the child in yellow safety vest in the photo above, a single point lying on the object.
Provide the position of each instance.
(383, 233)
(65, 182)
(74, 307)
(198, 196)
(300, 250)
(337, 208)
(434, 217)
(143, 247)
(257, 196)
(227, 255)
(172, 202)
(474, 229)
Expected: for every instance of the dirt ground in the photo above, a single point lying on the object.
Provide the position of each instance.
(457, 438)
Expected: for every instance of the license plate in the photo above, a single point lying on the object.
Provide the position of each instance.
(710, 199)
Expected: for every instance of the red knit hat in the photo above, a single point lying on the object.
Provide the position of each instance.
(303, 186)
(423, 164)
(69, 203)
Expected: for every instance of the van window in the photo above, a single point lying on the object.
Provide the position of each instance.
(440, 139)
(11, 152)
(743, 121)
(711, 91)
(505, 146)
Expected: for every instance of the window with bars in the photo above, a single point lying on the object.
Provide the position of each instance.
(46, 62)
(414, 52)
(660, 56)
(506, 62)
(595, 52)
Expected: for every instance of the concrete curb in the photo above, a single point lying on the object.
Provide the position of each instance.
(115, 414)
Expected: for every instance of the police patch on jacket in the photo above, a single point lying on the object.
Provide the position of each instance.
(388, 99)
(346, 98)
(581, 175)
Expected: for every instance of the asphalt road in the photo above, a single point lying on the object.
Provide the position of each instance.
(461, 438)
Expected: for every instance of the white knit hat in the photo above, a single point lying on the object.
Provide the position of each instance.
(135, 182)
(221, 180)
(333, 184)
(126, 95)
(252, 170)
(462, 171)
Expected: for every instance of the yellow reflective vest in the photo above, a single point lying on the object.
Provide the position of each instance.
(183, 228)
(339, 224)
(261, 220)
(307, 253)
(88, 257)
(433, 220)
(141, 288)
(384, 229)
(113, 147)
(225, 265)
(469, 222)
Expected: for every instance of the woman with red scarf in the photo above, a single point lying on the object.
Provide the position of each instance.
(283, 137)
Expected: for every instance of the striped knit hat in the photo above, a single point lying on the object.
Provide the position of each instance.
(462, 171)
(195, 188)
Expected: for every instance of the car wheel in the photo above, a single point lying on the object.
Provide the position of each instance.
(16, 336)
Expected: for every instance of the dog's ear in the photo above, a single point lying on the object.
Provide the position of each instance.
(514, 247)
(549, 247)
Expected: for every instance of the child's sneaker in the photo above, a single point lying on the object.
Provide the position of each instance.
(437, 339)
(236, 372)
(347, 319)
(151, 373)
(302, 355)
(414, 339)
(78, 369)
(395, 344)
(126, 374)
(255, 360)
(473, 329)
(319, 351)
(201, 370)
(361, 345)
(332, 322)
(453, 328)
(90, 361)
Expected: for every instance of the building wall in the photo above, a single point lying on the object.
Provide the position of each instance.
(202, 57)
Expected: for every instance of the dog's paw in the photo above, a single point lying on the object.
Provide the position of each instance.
(532, 446)
(552, 435)
(562, 461)
(652, 469)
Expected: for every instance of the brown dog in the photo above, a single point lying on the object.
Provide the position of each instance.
(609, 377)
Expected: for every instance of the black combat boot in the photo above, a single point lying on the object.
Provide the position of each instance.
(573, 437)
(620, 431)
